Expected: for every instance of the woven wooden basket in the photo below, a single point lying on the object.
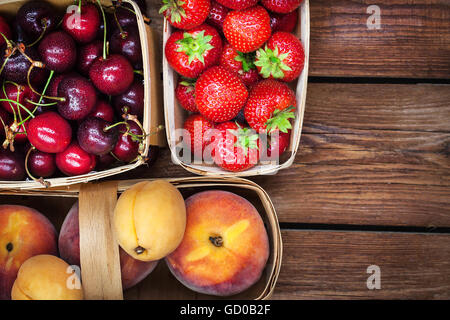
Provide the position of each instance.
(99, 251)
(152, 100)
(175, 115)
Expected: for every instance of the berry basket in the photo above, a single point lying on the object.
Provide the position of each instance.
(175, 115)
(152, 115)
(100, 266)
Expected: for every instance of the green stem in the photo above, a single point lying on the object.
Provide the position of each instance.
(42, 95)
(104, 31)
(41, 104)
(20, 105)
(40, 36)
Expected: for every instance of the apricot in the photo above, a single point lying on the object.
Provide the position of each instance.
(133, 271)
(24, 233)
(225, 247)
(150, 219)
(46, 277)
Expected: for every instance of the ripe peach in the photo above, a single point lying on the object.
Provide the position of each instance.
(225, 247)
(46, 277)
(150, 219)
(133, 271)
(24, 233)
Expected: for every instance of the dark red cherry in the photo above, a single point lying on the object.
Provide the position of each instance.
(21, 93)
(105, 161)
(21, 136)
(49, 132)
(41, 164)
(12, 165)
(83, 27)
(95, 137)
(79, 96)
(87, 54)
(113, 75)
(5, 30)
(125, 17)
(128, 44)
(74, 161)
(126, 148)
(58, 52)
(133, 98)
(36, 16)
(17, 66)
(103, 110)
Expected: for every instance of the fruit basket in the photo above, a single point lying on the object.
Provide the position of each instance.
(175, 115)
(152, 115)
(100, 269)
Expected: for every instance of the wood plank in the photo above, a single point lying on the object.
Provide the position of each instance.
(413, 42)
(333, 265)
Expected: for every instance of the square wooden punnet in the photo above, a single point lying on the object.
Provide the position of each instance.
(151, 100)
(175, 115)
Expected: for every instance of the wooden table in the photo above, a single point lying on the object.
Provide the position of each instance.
(371, 182)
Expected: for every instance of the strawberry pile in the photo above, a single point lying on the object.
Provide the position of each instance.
(235, 58)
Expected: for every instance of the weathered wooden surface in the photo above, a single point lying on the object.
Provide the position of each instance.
(333, 265)
(413, 40)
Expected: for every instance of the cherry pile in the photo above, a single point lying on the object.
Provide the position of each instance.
(235, 59)
(72, 92)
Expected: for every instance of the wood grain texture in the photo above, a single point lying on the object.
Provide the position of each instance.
(413, 42)
(333, 265)
(99, 252)
(369, 154)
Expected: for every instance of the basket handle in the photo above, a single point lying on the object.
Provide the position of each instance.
(99, 251)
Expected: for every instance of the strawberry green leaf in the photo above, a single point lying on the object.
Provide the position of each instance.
(246, 138)
(247, 60)
(280, 120)
(195, 46)
(272, 63)
(174, 10)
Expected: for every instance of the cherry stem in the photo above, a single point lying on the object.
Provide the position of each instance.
(8, 42)
(41, 35)
(42, 95)
(104, 31)
(20, 105)
(40, 65)
(117, 21)
(41, 104)
(7, 58)
(40, 180)
(140, 72)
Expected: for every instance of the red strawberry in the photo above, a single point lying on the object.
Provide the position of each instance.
(195, 134)
(217, 15)
(270, 106)
(185, 14)
(192, 52)
(235, 147)
(247, 30)
(219, 94)
(238, 4)
(282, 58)
(281, 6)
(278, 143)
(283, 22)
(185, 94)
(240, 63)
